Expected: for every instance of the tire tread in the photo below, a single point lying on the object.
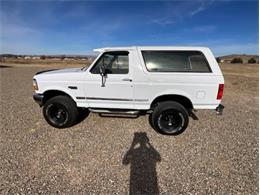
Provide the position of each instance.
(165, 105)
(69, 104)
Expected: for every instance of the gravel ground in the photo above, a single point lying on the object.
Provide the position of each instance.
(215, 155)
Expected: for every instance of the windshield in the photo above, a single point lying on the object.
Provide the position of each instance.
(91, 60)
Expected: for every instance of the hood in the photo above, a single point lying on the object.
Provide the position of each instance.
(55, 71)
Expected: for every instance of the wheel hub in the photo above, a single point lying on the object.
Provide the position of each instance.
(57, 114)
(170, 121)
(60, 113)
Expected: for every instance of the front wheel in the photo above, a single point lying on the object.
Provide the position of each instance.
(170, 118)
(60, 111)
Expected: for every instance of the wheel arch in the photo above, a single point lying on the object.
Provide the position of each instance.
(183, 100)
(52, 93)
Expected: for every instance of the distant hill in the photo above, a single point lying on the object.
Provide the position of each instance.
(222, 59)
(244, 57)
(47, 56)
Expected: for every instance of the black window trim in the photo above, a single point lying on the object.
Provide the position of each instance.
(115, 52)
(201, 53)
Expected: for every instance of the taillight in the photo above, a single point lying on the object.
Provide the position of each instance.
(220, 91)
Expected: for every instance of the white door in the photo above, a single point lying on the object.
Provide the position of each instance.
(116, 91)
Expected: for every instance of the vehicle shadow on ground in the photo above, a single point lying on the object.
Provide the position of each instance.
(5, 66)
(142, 157)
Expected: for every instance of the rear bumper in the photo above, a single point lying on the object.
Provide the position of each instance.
(219, 109)
(38, 98)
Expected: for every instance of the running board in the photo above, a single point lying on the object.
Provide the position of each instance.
(114, 112)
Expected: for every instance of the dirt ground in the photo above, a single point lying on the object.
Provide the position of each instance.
(215, 155)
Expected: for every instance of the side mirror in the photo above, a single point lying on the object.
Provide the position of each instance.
(102, 71)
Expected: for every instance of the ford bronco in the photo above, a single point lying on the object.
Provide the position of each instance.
(166, 82)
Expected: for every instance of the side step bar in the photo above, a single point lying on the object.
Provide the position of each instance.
(114, 112)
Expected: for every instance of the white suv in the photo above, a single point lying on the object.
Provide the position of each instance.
(165, 82)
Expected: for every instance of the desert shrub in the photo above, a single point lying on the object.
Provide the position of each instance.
(62, 57)
(252, 61)
(43, 57)
(237, 60)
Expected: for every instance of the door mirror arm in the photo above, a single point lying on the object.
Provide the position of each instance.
(102, 71)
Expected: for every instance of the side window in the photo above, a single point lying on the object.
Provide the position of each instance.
(175, 61)
(115, 63)
(199, 63)
(165, 61)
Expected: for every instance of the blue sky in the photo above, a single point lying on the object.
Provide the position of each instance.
(77, 27)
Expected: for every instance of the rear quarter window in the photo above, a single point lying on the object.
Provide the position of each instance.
(175, 61)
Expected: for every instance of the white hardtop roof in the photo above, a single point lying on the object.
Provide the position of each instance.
(150, 48)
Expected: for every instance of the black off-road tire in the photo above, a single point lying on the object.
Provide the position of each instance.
(83, 113)
(150, 118)
(60, 112)
(170, 118)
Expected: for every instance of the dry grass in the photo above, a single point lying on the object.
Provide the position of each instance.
(245, 70)
(46, 62)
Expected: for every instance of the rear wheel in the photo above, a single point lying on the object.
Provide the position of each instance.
(169, 118)
(60, 111)
(151, 120)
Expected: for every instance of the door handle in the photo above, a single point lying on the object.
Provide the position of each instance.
(127, 79)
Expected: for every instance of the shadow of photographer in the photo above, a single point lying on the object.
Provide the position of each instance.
(142, 157)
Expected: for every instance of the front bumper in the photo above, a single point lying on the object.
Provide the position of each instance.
(38, 98)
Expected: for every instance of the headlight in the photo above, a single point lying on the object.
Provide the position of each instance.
(35, 86)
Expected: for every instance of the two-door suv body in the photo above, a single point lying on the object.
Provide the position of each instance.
(165, 82)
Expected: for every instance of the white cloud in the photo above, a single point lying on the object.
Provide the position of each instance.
(174, 13)
(18, 38)
(204, 29)
(197, 10)
(203, 5)
(17, 31)
(163, 21)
